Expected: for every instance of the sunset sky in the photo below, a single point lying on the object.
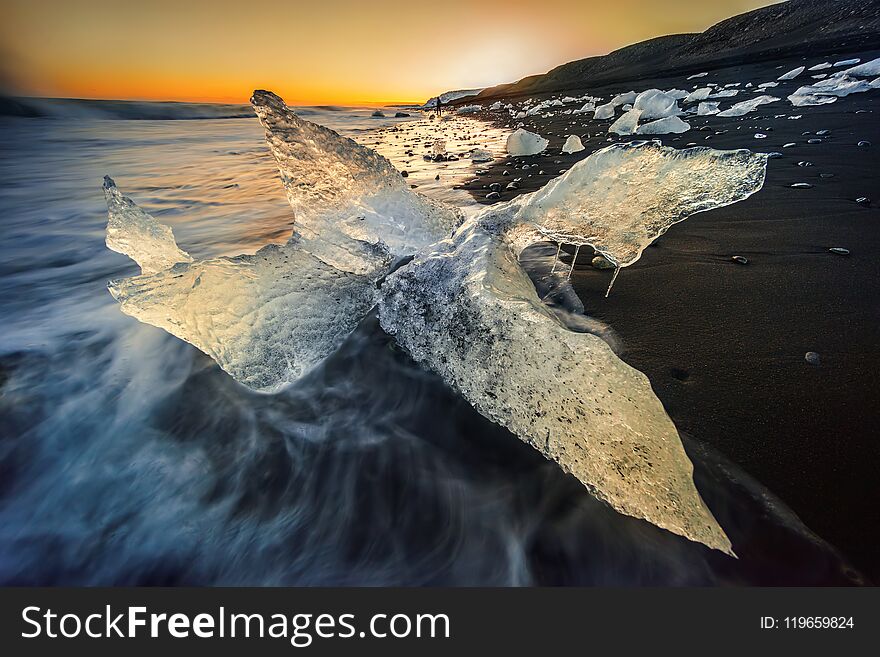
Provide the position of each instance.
(327, 51)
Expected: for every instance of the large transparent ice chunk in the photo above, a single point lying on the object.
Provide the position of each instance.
(463, 307)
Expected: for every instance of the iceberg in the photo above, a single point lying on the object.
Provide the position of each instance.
(792, 74)
(656, 104)
(462, 306)
(671, 124)
(572, 145)
(627, 124)
(522, 142)
(747, 106)
(469, 109)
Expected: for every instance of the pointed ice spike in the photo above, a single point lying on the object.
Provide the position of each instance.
(574, 260)
(133, 232)
(346, 198)
(556, 259)
(613, 278)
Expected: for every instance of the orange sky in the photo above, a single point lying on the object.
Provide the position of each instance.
(324, 51)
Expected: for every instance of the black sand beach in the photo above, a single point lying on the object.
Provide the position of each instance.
(723, 343)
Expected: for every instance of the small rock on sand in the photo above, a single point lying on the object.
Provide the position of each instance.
(601, 262)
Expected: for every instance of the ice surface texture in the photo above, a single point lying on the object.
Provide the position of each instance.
(346, 198)
(621, 198)
(463, 307)
(467, 311)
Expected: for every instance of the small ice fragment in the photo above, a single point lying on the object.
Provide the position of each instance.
(767, 85)
(740, 260)
(839, 250)
(698, 75)
(627, 124)
(792, 74)
(801, 185)
(481, 155)
(725, 93)
(522, 142)
(656, 104)
(864, 70)
(820, 67)
(847, 62)
(671, 124)
(760, 135)
(469, 109)
(697, 95)
(812, 358)
(572, 145)
(747, 106)
(707, 108)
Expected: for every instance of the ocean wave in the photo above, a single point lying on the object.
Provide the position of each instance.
(75, 108)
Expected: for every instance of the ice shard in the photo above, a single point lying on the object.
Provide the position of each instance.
(266, 318)
(621, 198)
(133, 232)
(346, 198)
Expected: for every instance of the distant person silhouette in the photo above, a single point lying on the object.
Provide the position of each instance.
(439, 104)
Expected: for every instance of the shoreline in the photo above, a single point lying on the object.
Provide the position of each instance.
(724, 344)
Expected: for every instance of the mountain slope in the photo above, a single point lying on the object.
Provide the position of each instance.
(796, 27)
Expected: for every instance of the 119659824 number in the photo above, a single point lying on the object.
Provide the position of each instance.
(808, 622)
